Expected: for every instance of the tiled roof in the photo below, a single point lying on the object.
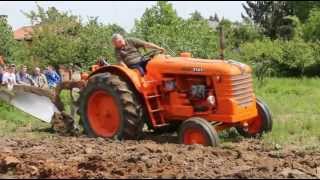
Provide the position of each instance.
(23, 33)
(1, 60)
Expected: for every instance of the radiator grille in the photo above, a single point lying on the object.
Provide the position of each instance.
(242, 90)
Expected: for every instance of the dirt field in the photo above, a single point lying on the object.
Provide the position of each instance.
(81, 157)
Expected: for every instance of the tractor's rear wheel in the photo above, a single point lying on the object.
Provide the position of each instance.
(198, 131)
(260, 124)
(108, 108)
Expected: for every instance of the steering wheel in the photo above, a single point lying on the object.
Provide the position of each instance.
(151, 54)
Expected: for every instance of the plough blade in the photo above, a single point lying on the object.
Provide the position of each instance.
(40, 107)
(31, 100)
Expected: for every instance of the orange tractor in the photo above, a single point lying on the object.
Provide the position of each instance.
(197, 97)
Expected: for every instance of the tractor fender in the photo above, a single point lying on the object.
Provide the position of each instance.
(129, 75)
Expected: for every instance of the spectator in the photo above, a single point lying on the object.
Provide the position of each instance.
(9, 78)
(39, 78)
(1, 73)
(5, 68)
(53, 77)
(23, 77)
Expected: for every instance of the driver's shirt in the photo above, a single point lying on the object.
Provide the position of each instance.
(130, 54)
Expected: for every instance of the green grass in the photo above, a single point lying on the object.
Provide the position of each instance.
(295, 106)
(294, 103)
(17, 123)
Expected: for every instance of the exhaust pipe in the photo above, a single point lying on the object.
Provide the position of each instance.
(221, 42)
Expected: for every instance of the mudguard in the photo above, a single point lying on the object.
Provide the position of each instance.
(132, 76)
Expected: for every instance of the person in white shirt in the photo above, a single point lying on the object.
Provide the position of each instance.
(9, 78)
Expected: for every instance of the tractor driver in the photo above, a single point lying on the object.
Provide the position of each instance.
(127, 51)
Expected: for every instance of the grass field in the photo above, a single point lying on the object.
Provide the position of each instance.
(294, 103)
(295, 107)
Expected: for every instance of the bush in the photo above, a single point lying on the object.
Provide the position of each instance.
(6, 40)
(312, 26)
(264, 56)
(281, 58)
(298, 55)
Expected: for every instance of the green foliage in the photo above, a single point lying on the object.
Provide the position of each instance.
(293, 49)
(21, 54)
(6, 39)
(240, 32)
(52, 48)
(302, 9)
(161, 25)
(62, 38)
(268, 14)
(316, 53)
(297, 55)
(294, 109)
(291, 28)
(278, 57)
(264, 56)
(312, 26)
(13, 121)
(95, 41)
(271, 15)
(55, 38)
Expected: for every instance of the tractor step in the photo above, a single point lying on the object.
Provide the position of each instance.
(153, 96)
(157, 110)
(161, 125)
(150, 81)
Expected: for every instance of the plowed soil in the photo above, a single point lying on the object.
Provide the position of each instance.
(81, 157)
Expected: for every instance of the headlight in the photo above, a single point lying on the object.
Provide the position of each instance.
(211, 100)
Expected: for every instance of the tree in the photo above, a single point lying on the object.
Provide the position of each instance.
(95, 41)
(162, 14)
(264, 55)
(298, 55)
(302, 9)
(272, 15)
(268, 14)
(196, 16)
(311, 28)
(61, 38)
(291, 28)
(6, 39)
(161, 25)
(54, 40)
(244, 32)
(214, 18)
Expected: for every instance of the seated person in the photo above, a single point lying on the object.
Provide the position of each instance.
(39, 78)
(9, 78)
(127, 51)
(1, 73)
(52, 76)
(23, 77)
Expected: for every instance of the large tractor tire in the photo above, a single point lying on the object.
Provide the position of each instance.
(260, 124)
(197, 130)
(108, 108)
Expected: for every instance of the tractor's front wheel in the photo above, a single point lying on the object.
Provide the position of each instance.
(198, 131)
(108, 108)
(258, 125)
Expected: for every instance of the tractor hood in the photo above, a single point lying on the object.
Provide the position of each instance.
(188, 65)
